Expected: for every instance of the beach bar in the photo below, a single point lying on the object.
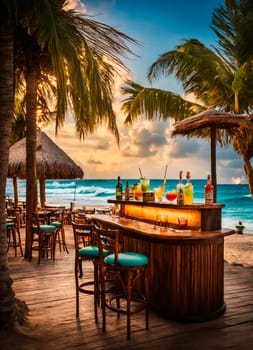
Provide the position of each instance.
(186, 262)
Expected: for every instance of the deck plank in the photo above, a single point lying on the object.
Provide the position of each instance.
(49, 291)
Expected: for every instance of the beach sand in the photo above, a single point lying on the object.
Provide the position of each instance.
(238, 249)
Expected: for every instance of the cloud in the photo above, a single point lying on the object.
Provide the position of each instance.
(77, 5)
(238, 180)
(183, 147)
(144, 139)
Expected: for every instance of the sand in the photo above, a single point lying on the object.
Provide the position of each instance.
(238, 249)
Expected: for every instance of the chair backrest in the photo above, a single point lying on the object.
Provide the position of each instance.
(108, 240)
(80, 218)
(83, 235)
(14, 214)
(57, 215)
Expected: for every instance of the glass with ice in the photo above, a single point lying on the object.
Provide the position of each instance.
(144, 184)
(159, 192)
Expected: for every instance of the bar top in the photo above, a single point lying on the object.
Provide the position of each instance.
(167, 204)
(155, 231)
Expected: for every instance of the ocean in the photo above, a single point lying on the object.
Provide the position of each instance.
(91, 193)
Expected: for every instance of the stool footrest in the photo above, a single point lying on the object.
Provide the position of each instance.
(82, 287)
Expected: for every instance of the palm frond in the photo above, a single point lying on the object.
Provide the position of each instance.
(154, 104)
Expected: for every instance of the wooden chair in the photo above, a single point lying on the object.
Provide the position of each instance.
(43, 239)
(127, 270)
(85, 250)
(80, 218)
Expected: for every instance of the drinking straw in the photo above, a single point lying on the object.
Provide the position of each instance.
(140, 173)
(164, 179)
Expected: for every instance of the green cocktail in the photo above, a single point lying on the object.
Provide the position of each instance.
(144, 184)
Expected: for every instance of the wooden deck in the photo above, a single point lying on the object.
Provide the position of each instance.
(48, 290)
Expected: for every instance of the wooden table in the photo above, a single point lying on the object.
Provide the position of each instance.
(186, 267)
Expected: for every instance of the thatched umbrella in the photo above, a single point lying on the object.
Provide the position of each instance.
(52, 163)
(213, 120)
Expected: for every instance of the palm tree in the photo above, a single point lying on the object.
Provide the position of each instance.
(81, 56)
(221, 77)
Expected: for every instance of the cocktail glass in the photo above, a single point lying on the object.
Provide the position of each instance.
(188, 194)
(159, 193)
(144, 184)
(171, 196)
(138, 192)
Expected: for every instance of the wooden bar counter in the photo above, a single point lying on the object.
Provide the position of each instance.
(186, 266)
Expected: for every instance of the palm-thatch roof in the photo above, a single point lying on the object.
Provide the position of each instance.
(52, 162)
(212, 117)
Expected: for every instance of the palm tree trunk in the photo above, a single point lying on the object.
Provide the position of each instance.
(249, 172)
(15, 189)
(8, 314)
(32, 65)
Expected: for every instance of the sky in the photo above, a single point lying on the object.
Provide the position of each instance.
(158, 26)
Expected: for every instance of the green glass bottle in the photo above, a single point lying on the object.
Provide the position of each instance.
(119, 189)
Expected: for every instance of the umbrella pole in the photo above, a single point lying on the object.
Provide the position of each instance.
(213, 160)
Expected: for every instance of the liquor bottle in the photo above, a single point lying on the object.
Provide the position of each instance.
(127, 192)
(180, 190)
(119, 189)
(188, 190)
(209, 189)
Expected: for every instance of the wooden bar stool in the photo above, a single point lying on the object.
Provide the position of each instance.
(127, 270)
(43, 239)
(57, 219)
(13, 232)
(85, 250)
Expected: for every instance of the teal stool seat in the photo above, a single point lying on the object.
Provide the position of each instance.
(128, 259)
(57, 224)
(47, 227)
(92, 251)
(10, 224)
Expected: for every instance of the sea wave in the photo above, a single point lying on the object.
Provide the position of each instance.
(60, 184)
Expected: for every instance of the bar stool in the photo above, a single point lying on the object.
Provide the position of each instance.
(128, 270)
(13, 232)
(43, 239)
(57, 219)
(85, 250)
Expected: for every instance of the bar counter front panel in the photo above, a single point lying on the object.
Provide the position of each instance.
(186, 267)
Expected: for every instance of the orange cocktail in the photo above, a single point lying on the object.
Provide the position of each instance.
(138, 192)
(159, 192)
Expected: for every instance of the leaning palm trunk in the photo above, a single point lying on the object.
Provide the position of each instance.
(249, 173)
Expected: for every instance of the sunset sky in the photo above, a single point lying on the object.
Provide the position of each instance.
(160, 26)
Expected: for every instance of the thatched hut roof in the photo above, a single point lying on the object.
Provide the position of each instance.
(52, 161)
(212, 117)
(213, 120)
